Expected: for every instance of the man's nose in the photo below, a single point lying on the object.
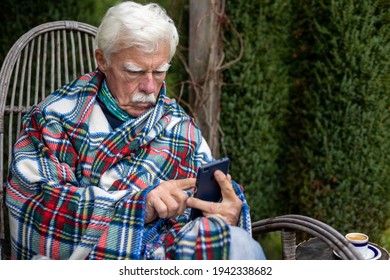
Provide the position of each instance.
(147, 84)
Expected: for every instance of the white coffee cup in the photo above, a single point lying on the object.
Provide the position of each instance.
(360, 241)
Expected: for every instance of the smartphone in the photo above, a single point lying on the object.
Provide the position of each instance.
(207, 188)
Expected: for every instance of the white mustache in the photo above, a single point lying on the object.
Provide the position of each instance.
(140, 97)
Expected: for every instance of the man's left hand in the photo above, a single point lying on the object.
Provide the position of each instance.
(230, 206)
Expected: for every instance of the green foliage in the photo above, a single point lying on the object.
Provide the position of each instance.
(385, 238)
(20, 16)
(338, 168)
(255, 101)
(305, 113)
(272, 245)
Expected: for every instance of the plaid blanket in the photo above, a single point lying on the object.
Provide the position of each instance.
(77, 188)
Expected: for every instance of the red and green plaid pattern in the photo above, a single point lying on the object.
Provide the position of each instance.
(77, 188)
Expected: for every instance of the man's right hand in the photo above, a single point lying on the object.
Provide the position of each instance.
(168, 200)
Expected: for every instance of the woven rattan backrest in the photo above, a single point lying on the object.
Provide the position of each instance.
(42, 60)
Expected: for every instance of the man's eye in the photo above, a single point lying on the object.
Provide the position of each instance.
(136, 72)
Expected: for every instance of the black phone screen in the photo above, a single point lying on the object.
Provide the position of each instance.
(207, 188)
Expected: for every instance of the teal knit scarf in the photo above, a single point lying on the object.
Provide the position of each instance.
(109, 101)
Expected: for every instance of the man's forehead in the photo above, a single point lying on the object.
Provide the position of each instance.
(143, 59)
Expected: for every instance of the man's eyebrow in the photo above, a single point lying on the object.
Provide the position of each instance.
(163, 68)
(132, 68)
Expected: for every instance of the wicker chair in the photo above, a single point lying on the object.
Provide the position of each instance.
(289, 225)
(52, 54)
(42, 60)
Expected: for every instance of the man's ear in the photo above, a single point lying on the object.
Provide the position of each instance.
(100, 60)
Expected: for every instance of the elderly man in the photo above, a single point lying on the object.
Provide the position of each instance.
(105, 166)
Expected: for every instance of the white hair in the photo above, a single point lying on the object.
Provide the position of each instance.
(130, 24)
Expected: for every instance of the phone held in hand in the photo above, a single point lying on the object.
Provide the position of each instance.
(207, 188)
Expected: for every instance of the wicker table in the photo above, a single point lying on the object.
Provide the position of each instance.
(316, 249)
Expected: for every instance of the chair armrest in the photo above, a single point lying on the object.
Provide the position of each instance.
(290, 224)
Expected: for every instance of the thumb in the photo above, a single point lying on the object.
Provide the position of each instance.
(225, 182)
